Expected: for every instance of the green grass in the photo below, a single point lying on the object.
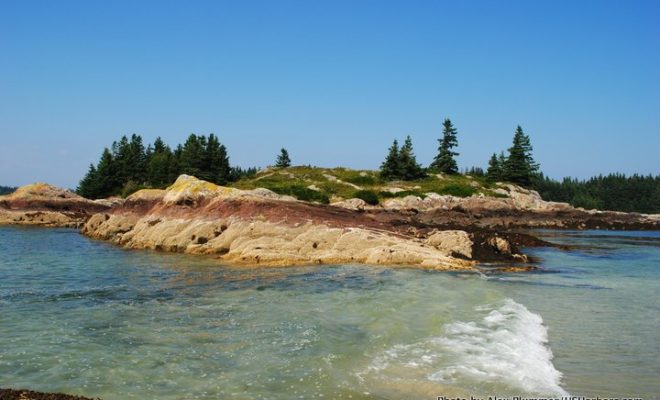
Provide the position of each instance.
(324, 185)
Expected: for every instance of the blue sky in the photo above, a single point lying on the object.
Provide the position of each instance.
(332, 81)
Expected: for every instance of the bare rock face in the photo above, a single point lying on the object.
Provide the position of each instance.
(500, 244)
(452, 242)
(351, 204)
(244, 227)
(110, 201)
(517, 199)
(46, 205)
(405, 203)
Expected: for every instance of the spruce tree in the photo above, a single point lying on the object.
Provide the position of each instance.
(520, 167)
(391, 168)
(137, 160)
(444, 161)
(283, 160)
(192, 157)
(495, 164)
(88, 186)
(107, 182)
(410, 169)
(120, 155)
(159, 163)
(218, 161)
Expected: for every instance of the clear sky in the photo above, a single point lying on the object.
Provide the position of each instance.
(332, 81)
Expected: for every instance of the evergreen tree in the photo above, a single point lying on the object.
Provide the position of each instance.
(88, 186)
(391, 168)
(107, 182)
(176, 167)
(615, 192)
(137, 162)
(502, 160)
(159, 163)
(218, 161)
(520, 168)
(444, 161)
(475, 171)
(7, 190)
(410, 169)
(130, 159)
(192, 158)
(129, 166)
(237, 173)
(283, 159)
(102, 180)
(495, 166)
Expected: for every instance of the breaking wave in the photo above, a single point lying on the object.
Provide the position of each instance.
(506, 349)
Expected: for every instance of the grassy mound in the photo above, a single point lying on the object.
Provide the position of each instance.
(325, 185)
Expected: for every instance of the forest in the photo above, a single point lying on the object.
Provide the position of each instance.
(618, 192)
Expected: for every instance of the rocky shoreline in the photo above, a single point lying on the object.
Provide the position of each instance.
(260, 227)
(41, 204)
(24, 394)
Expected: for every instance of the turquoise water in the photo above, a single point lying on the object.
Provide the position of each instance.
(84, 317)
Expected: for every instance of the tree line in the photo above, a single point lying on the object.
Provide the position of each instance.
(617, 192)
(6, 190)
(517, 167)
(128, 165)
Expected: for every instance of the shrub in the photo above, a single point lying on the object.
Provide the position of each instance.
(369, 196)
(458, 190)
(403, 193)
(303, 193)
(361, 180)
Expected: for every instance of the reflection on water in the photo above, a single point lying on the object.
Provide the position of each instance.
(84, 317)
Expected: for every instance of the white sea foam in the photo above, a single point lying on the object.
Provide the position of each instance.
(506, 348)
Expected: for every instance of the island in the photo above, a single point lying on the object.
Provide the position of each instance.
(252, 225)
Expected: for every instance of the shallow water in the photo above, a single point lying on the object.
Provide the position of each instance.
(88, 318)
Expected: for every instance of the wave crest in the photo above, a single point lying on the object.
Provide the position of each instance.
(505, 350)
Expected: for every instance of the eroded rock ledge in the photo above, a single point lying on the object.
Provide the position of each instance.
(258, 227)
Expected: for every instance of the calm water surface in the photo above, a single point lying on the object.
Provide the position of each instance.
(88, 318)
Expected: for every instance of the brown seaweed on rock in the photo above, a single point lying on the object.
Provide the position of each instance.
(23, 394)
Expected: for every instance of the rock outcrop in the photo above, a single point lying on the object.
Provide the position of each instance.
(261, 228)
(516, 208)
(512, 198)
(46, 205)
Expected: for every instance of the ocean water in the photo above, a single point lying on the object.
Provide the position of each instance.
(84, 317)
